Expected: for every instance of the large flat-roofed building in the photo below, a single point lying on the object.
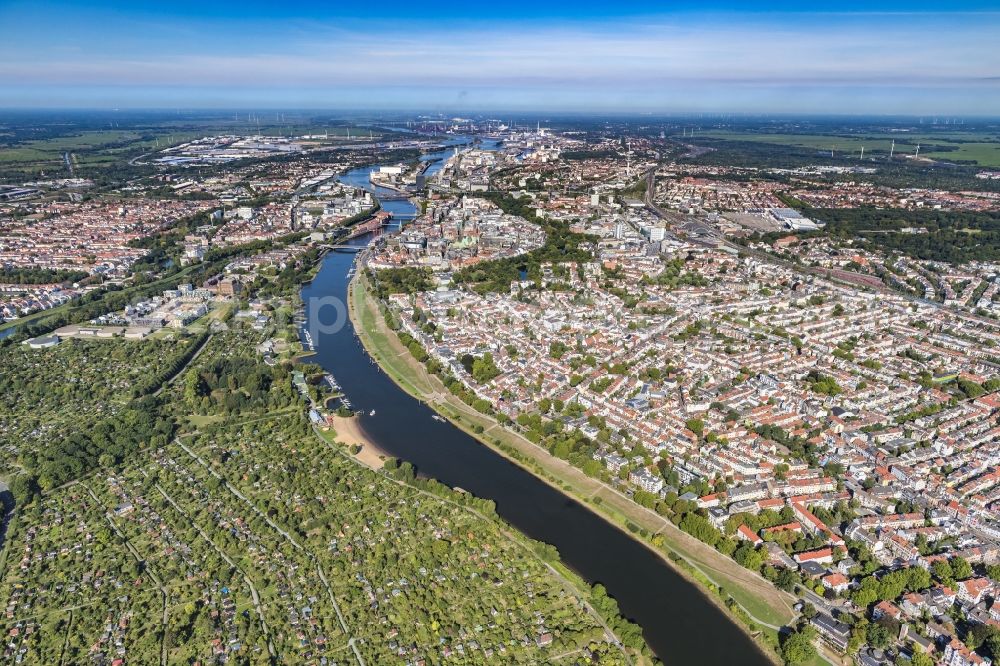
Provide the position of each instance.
(43, 342)
(230, 287)
(793, 219)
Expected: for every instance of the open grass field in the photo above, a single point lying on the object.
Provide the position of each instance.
(823, 142)
(983, 154)
(92, 148)
(981, 147)
(103, 142)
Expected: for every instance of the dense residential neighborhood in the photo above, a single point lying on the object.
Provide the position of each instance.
(459, 233)
(779, 378)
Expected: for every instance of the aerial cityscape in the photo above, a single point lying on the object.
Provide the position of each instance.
(500, 335)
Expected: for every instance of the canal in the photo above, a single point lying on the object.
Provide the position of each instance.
(680, 624)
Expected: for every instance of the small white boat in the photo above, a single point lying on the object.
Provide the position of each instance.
(438, 417)
(371, 413)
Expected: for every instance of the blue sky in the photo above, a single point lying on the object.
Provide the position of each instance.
(635, 57)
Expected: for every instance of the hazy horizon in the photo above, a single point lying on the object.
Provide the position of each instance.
(888, 58)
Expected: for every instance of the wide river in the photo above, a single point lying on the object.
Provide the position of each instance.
(680, 624)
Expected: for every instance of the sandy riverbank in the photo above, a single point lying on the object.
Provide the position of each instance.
(349, 432)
